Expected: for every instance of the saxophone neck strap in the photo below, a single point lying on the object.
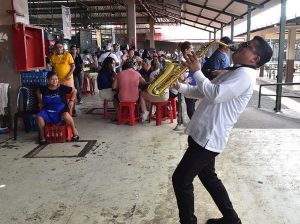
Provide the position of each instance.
(239, 66)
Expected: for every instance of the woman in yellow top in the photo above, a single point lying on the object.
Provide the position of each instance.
(63, 64)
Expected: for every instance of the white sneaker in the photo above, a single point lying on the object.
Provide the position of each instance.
(145, 116)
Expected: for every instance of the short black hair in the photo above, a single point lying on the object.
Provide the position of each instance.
(72, 46)
(50, 74)
(105, 64)
(58, 42)
(129, 63)
(264, 50)
(226, 40)
(184, 46)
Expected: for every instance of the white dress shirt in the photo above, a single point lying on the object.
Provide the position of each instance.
(223, 100)
(119, 55)
(108, 54)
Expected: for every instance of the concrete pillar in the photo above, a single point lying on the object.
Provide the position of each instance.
(210, 51)
(261, 71)
(221, 33)
(280, 56)
(131, 22)
(152, 33)
(290, 56)
(215, 34)
(8, 72)
(231, 35)
(249, 22)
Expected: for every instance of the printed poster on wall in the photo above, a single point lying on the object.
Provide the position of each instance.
(98, 35)
(67, 26)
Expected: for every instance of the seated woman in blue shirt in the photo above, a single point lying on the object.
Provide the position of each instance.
(54, 106)
(105, 79)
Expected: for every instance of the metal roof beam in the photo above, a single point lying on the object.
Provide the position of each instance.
(82, 10)
(147, 10)
(203, 17)
(41, 4)
(234, 19)
(226, 7)
(259, 6)
(212, 9)
(165, 12)
(94, 20)
(195, 27)
(203, 24)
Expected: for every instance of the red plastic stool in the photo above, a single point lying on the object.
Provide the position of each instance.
(128, 112)
(57, 133)
(174, 106)
(164, 111)
(91, 82)
(108, 111)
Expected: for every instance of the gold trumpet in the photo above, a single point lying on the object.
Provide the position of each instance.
(173, 70)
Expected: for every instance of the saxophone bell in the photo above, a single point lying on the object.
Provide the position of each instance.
(173, 71)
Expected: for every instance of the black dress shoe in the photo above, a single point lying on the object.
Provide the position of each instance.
(222, 221)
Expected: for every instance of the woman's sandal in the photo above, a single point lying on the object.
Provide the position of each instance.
(75, 138)
(43, 142)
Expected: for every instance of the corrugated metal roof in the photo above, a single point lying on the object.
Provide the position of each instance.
(208, 15)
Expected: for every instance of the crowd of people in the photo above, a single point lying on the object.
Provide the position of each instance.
(123, 76)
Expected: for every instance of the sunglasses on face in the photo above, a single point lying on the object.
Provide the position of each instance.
(247, 45)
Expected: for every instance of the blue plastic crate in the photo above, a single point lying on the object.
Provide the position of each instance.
(34, 78)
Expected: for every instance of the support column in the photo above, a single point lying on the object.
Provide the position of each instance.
(209, 53)
(131, 23)
(280, 55)
(215, 34)
(152, 33)
(232, 28)
(8, 72)
(221, 31)
(231, 35)
(290, 56)
(249, 22)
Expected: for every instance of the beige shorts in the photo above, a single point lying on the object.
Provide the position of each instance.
(69, 82)
(106, 94)
(155, 99)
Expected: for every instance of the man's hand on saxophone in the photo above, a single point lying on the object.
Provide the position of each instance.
(176, 85)
(192, 62)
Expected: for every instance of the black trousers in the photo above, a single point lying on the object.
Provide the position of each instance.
(190, 106)
(78, 86)
(198, 161)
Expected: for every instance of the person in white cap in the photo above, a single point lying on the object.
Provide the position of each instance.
(108, 53)
(118, 53)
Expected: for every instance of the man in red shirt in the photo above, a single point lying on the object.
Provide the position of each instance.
(127, 82)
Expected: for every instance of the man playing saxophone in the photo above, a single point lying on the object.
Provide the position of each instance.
(223, 100)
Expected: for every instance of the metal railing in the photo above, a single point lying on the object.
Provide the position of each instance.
(276, 84)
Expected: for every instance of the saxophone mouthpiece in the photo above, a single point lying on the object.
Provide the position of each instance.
(233, 47)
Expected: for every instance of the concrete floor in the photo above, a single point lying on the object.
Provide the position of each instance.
(126, 177)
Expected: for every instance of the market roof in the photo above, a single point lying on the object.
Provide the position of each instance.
(208, 15)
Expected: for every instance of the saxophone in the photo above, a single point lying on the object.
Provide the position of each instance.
(173, 70)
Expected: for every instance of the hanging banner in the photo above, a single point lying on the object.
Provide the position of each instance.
(98, 36)
(66, 19)
(113, 35)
